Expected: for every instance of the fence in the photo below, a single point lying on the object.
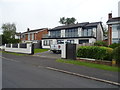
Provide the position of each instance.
(27, 48)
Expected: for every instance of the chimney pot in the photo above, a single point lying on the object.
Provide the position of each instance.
(109, 15)
(28, 29)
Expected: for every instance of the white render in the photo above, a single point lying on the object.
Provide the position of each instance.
(99, 33)
(63, 51)
(76, 41)
(27, 50)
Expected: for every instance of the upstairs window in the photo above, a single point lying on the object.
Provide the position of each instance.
(55, 34)
(87, 32)
(71, 32)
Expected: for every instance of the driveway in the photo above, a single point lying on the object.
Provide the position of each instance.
(48, 54)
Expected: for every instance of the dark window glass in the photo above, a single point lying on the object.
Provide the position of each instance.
(83, 41)
(71, 32)
(60, 41)
(55, 34)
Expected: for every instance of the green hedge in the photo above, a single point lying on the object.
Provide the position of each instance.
(95, 52)
(116, 54)
(114, 45)
(100, 43)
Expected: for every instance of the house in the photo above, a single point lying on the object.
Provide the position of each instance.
(75, 33)
(113, 29)
(17, 35)
(34, 36)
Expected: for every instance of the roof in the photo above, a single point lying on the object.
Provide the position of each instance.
(18, 34)
(36, 30)
(116, 19)
(70, 26)
(85, 24)
(93, 24)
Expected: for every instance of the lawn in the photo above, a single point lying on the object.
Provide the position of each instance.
(19, 54)
(40, 50)
(99, 66)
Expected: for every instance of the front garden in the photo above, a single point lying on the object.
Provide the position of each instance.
(98, 56)
(100, 53)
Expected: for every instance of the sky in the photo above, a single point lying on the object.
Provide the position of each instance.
(36, 14)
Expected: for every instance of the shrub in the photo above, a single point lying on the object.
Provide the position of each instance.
(100, 43)
(109, 54)
(116, 54)
(95, 52)
(114, 45)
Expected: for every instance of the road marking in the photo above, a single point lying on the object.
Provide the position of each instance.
(71, 73)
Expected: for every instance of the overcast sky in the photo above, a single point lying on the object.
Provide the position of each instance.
(35, 14)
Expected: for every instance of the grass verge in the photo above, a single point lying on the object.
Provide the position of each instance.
(40, 50)
(18, 54)
(99, 66)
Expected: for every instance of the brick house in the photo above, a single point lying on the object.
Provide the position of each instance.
(113, 29)
(34, 36)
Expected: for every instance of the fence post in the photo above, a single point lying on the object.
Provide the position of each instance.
(18, 45)
(11, 46)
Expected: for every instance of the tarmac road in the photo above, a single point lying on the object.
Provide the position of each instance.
(17, 74)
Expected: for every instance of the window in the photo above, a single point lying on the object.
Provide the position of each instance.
(60, 41)
(116, 33)
(71, 32)
(46, 42)
(70, 41)
(33, 36)
(83, 41)
(55, 34)
(28, 36)
(87, 32)
(23, 36)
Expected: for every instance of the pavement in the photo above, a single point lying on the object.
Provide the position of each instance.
(48, 61)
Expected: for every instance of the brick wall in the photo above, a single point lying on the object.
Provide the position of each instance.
(40, 34)
(109, 34)
(37, 36)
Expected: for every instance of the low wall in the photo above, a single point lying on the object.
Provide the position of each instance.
(27, 48)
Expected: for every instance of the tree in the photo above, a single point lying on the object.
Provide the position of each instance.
(105, 31)
(9, 30)
(62, 20)
(67, 21)
(8, 35)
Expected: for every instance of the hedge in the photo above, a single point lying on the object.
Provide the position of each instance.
(95, 52)
(114, 45)
(116, 54)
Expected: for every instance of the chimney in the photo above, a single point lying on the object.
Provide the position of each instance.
(28, 29)
(109, 15)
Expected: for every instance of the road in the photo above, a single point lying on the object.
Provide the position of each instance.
(17, 74)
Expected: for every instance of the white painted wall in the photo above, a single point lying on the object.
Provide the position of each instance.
(63, 52)
(99, 33)
(92, 40)
(94, 32)
(27, 50)
(17, 37)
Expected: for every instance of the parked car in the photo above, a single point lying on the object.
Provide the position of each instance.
(56, 48)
